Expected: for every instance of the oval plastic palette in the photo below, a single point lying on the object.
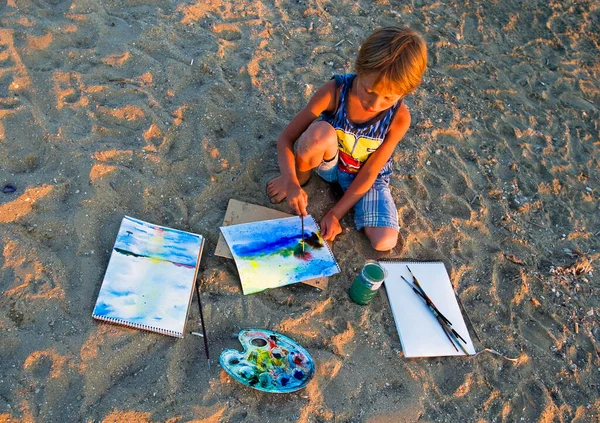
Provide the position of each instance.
(270, 362)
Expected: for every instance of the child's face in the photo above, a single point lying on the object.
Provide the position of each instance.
(374, 96)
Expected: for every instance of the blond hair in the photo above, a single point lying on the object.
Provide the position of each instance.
(398, 55)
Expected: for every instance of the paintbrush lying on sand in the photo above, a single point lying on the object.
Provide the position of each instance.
(203, 325)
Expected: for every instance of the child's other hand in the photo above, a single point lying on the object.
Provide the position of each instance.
(330, 227)
(297, 199)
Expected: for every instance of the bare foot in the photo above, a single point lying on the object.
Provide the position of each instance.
(276, 190)
(276, 187)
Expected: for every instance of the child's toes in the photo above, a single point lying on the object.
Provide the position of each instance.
(277, 198)
(271, 191)
(274, 190)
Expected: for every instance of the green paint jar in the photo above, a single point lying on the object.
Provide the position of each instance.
(367, 283)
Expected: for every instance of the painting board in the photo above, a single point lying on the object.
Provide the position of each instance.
(150, 277)
(272, 253)
(243, 212)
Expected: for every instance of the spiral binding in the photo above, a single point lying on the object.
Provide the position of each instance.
(138, 326)
(409, 261)
(327, 245)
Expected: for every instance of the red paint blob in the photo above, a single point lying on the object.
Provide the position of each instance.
(306, 256)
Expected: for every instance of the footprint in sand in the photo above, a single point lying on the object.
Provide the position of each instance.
(433, 185)
(227, 32)
(52, 389)
(455, 206)
(536, 334)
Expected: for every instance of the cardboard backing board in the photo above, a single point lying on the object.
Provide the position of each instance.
(242, 212)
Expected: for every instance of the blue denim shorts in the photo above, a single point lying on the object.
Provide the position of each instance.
(377, 207)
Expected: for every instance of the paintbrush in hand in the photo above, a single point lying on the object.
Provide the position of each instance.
(302, 220)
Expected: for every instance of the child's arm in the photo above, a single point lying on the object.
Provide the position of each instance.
(322, 100)
(364, 180)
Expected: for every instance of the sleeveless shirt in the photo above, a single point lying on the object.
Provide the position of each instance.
(356, 142)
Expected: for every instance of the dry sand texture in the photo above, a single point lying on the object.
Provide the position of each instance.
(166, 110)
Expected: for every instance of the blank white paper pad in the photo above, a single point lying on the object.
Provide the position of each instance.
(420, 333)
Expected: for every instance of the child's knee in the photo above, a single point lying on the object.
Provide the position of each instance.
(319, 136)
(385, 244)
(323, 131)
(382, 239)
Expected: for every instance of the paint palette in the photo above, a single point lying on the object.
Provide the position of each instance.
(270, 362)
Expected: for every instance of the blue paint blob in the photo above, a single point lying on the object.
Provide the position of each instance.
(265, 246)
(9, 188)
(103, 309)
(246, 372)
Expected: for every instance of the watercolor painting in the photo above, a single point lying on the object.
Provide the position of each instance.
(271, 253)
(149, 279)
(270, 362)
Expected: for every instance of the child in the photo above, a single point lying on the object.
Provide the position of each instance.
(362, 120)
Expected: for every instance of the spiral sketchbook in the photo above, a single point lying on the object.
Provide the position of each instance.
(421, 335)
(150, 278)
(274, 253)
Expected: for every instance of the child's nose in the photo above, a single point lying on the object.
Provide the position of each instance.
(377, 102)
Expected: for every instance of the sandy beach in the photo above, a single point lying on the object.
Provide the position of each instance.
(164, 111)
